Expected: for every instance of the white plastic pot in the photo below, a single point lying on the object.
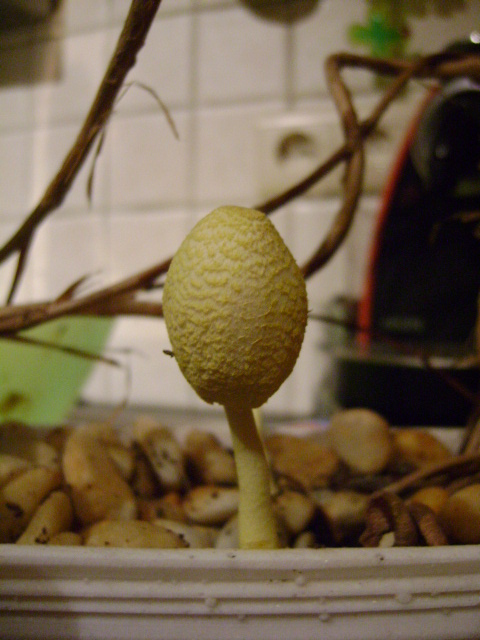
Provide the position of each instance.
(341, 594)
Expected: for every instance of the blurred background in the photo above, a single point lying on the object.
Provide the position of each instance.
(245, 86)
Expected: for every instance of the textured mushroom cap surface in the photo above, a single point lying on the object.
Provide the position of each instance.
(235, 306)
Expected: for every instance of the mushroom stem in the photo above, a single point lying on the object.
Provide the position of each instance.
(256, 519)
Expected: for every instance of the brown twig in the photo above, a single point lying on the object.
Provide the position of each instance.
(388, 513)
(132, 38)
(72, 351)
(120, 299)
(437, 66)
(455, 464)
(353, 173)
(352, 150)
(427, 524)
(112, 300)
(471, 439)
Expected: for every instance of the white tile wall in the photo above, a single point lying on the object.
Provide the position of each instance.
(148, 165)
(16, 171)
(164, 65)
(50, 146)
(70, 246)
(225, 153)
(218, 69)
(16, 108)
(323, 33)
(68, 100)
(239, 58)
(85, 15)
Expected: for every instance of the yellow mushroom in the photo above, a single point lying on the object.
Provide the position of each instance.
(235, 306)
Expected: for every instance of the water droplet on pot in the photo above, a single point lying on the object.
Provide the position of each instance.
(300, 580)
(211, 603)
(403, 597)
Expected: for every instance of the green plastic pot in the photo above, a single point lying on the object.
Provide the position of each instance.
(39, 385)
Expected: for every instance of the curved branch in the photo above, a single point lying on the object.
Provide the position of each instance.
(354, 169)
(112, 300)
(120, 298)
(440, 66)
(355, 133)
(132, 38)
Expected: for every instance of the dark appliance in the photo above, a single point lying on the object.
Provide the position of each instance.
(424, 275)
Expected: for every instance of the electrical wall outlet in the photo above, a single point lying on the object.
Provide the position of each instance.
(292, 144)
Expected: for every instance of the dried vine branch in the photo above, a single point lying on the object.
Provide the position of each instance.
(120, 298)
(132, 38)
(117, 299)
(438, 66)
(458, 464)
(353, 173)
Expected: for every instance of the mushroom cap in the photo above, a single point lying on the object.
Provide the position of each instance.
(235, 306)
